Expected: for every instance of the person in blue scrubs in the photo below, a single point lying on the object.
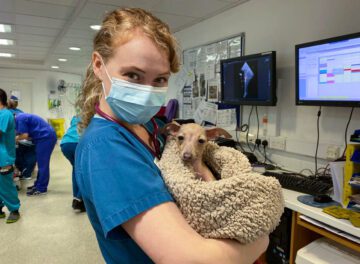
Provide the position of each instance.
(129, 206)
(30, 126)
(25, 151)
(68, 146)
(8, 192)
(13, 104)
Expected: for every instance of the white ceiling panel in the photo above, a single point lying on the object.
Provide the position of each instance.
(58, 2)
(45, 29)
(175, 22)
(11, 49)
(29, 37)
(145, 4)
(28, 56)
(81, 33)
(43, 9)
(101, 10)
(85, 23)
(51, 32)
(39, 21)
(32, 49)
(7, 18)
(7, 6)
(33, 43)
(191, 8)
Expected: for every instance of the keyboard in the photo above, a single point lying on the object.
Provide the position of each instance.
(304, 184)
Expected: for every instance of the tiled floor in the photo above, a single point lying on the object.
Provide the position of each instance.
(49, 231)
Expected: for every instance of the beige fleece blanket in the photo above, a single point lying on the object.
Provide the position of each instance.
(243, 205)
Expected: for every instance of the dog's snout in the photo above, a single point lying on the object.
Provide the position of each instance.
(187, 156)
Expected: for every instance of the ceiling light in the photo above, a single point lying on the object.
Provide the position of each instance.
(55, 67)
(95, 27)
(6, 42)
(62, 59)
(5, 28)
(74, 48)
(6, 55)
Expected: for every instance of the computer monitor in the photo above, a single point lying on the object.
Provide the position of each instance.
(328, 72)
(249, 80)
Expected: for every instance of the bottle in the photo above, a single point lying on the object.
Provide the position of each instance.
(264, 125)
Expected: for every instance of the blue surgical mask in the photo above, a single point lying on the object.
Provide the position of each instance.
(134, 103)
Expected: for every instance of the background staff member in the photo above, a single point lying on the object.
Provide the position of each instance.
(8, 192)
(13, 104)
(44, 138)
(68, 146)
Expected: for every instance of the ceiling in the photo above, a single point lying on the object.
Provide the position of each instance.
(43, 30)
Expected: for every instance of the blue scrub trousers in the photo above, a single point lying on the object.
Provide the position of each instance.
(44, 149)
(8, 193)
(68, 149)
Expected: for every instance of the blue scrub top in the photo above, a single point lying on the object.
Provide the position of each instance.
(16, 111)
(35, 126)
(7, 138)
(118, 180)
(71, 135)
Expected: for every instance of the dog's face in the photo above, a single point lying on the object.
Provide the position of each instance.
(192, 139)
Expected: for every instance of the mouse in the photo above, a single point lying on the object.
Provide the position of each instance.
(322, 198)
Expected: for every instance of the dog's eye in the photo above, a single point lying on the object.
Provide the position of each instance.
(201, 141)
(181, 138)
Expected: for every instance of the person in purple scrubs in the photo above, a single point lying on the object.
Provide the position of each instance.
(30, 126)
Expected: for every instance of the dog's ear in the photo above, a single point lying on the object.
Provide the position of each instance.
(213, 133)
(170, 129)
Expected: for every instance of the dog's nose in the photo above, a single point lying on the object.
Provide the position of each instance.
(187, 156)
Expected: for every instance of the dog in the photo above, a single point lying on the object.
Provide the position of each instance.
(192, 139)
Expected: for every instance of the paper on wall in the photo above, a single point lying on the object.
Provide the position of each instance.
(188, 112)
(210, 71)
(234, 46)
(190, 59)
(337, 175)
(205, 112)
(213, 88)
(226, 118)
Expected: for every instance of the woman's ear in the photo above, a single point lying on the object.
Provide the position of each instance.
(97, 65)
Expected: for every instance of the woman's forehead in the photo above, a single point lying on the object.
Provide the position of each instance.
(142, 52)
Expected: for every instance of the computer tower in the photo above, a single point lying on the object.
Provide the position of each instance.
(278, 251)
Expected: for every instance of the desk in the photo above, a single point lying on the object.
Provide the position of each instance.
(302, 232)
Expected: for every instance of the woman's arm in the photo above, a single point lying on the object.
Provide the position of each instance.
(165, 236)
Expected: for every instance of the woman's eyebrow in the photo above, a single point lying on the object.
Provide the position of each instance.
(128, 68)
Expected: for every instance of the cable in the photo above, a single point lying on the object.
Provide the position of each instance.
(238, 141)
(258, 123)
(318, 137)
(347, 126)
(248, 128)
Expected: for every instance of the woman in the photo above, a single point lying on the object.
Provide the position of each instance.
(30, 126)
(130, 209)
(68, 146)
(8, 192)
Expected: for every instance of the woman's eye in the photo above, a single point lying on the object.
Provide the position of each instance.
(161, 80)
(132, 76)
(201, 141)
(180, 138)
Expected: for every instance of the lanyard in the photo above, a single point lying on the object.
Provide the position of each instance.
(155, 153)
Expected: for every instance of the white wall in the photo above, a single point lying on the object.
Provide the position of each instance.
(279, 25)
(39, 83)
